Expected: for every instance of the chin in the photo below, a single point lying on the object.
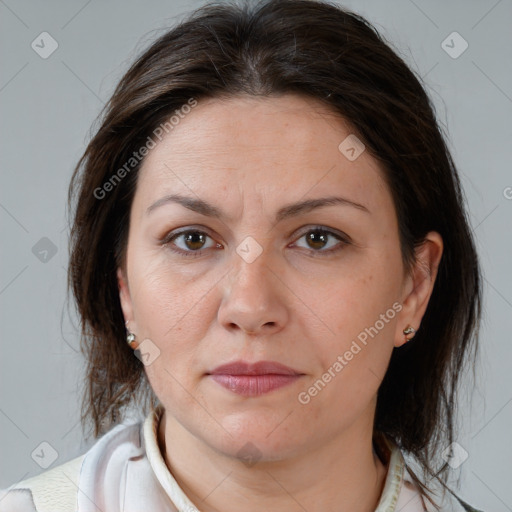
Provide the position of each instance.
(254, 441)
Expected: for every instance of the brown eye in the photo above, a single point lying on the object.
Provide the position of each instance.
(317, 239)
(191, 242)
(321, 240)
(194, 240)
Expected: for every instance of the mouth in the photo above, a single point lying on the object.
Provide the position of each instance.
(254, 379)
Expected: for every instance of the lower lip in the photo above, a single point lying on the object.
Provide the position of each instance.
(254, 385)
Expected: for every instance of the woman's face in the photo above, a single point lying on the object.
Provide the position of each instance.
(320, 289)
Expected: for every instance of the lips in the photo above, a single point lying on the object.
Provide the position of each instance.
(254, 379)
(258, 368)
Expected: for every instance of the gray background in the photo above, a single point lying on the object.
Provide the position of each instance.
(47, 107)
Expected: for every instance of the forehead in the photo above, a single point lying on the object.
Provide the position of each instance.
(262, 146)
(278, 124)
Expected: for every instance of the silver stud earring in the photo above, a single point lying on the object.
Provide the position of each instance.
(130, 338)
(409, 330)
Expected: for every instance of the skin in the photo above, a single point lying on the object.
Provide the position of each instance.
(293, 304)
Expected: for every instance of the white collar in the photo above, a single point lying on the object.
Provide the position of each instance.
(399, 491)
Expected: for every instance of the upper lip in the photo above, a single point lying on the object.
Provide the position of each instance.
(257, 368)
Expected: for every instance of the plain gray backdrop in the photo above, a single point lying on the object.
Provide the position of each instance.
(47, 106)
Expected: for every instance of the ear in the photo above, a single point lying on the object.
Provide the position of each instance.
(419, 284)
(125, 298)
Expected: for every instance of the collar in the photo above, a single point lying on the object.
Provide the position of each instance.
(396, 476)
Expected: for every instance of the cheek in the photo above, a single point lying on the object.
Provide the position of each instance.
(359, 315)
(163, 293)
(171, 312)
(172, 309)
(355, 301)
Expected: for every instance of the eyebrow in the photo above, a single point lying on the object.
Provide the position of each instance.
(291, 210)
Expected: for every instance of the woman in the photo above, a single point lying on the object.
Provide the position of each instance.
(271, 258)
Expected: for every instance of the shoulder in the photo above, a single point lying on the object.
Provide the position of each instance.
(445, 499)
(465, 506)
(402, 490)
(56, 489)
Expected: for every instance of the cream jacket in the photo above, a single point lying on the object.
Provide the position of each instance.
(124, 472)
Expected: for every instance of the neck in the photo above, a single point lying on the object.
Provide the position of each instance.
(343, 475)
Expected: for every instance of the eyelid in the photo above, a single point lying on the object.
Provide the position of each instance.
(185, 229)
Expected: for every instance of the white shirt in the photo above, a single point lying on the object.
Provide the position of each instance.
(124, 471)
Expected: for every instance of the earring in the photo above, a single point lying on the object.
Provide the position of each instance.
(409, 330)
(130, 338)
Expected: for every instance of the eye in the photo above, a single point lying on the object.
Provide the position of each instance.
(322, 240)
(190, 242)
(193, 242)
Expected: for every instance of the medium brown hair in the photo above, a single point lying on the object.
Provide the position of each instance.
(320, 51)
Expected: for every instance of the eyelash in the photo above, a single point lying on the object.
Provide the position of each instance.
(344, 239)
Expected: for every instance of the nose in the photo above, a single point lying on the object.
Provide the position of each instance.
(254, 299)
